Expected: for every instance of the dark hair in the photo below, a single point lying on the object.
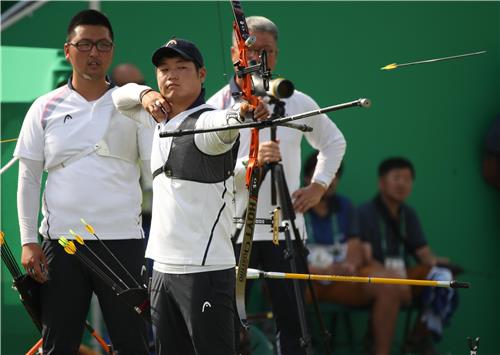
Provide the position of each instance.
(310, 165)
(89, 17)
(395, 163)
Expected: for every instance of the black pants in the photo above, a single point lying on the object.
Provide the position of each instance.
(193, 313)
(269, 257)
(65, 298)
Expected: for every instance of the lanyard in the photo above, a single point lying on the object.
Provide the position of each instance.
(334, 223)
(384, 234)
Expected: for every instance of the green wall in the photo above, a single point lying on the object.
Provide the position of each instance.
(436, 114)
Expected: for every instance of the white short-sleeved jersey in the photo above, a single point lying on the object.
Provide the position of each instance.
(325, 137)
(103, 190)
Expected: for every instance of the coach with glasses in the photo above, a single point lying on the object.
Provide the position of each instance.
(90, 152)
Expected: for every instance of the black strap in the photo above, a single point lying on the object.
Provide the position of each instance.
(158, 172)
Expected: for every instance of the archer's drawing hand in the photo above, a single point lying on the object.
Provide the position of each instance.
(154, 103)
(34, 262)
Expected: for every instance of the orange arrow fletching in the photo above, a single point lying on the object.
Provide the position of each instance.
(2, 239)
(68, 250)
(72, 246)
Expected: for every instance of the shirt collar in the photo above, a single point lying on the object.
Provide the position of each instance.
(200, 100)
(384, 211)
(108, 80)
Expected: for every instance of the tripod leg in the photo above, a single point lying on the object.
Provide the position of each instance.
(287, 213)
(327, 336)
(297, 255)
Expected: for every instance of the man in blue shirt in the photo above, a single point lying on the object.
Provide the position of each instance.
(332, 230)
(336, 248)
(390, 231)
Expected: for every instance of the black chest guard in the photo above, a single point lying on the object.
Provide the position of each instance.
(187, 162)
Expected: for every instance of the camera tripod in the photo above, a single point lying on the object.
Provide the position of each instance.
(295, 251)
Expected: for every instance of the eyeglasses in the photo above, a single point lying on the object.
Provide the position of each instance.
(86, 46)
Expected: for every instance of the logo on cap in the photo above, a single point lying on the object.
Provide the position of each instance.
(172, 42)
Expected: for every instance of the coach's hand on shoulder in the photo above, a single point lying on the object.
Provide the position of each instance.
(154, 103)
(34, 262)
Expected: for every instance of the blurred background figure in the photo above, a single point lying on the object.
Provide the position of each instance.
(335, 248)
(127, 73)
(333, 231)
(394, 243)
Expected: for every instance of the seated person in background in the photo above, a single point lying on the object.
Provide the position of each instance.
(333, 238)
(390, 231)
(332, 230)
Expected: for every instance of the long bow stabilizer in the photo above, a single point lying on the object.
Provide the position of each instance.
(364, 103)
(255, 274)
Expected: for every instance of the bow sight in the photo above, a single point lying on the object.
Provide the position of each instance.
(261, 74)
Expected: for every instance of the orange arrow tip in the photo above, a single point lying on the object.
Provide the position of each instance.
(390, 66)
